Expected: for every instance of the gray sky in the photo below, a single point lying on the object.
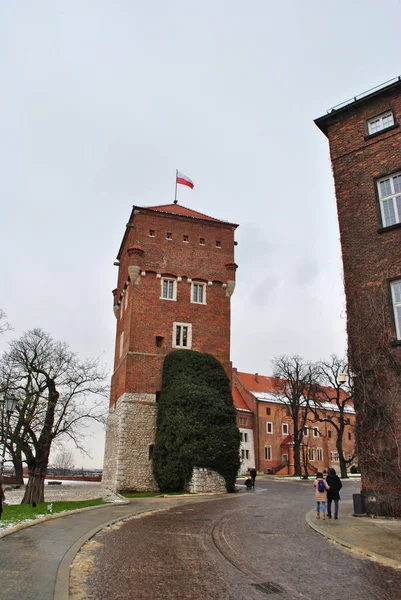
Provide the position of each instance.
(102, 100)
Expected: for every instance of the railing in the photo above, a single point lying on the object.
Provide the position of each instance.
(360, 96)
(274, 470)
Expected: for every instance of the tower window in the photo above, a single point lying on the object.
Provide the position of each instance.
(389, 189)
(218, 244)
(159, 341)
(396, 298)
(284, 429)
(268, 410)
(151, 450)
(201, 241)
(121, 344)
(380, 122)
(182, 335)
(169, 235)
(185, 238)
(169, 289)
(315, 432)
(151, 233)
(329, 433)
(269, 427)
(199, 293)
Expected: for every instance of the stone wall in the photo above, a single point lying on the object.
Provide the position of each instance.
(206, 481)
(131, 430)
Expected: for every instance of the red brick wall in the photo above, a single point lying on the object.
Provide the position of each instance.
(148, 316)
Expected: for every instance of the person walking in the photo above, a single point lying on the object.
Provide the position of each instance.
(252, 473)
(321, 488)
(335, 484)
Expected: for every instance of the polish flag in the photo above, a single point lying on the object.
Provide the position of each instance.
(184, 180)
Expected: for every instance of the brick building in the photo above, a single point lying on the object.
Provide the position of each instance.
(176, 275)
(365, 147)
(266, 429)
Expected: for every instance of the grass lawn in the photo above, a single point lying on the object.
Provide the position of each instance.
(19, 513)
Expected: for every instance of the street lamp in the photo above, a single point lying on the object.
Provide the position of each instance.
(10, 402)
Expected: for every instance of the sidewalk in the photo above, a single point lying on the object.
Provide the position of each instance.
(374, 538)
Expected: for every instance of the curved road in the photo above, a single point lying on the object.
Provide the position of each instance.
(248, 546)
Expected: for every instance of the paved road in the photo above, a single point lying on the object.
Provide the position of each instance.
(245, 547)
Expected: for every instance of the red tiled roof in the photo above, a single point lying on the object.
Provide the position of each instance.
(264, 384)
(183, 211)
(239, 402)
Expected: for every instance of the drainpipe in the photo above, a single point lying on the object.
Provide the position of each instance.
(257, 436)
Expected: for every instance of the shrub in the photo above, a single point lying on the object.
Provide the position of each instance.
(196, 422)
(354, 469)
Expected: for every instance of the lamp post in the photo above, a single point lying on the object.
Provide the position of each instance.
(9, 405)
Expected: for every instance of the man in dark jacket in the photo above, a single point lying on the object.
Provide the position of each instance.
(334, 492)
(252, 473)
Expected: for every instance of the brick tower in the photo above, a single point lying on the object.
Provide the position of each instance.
(365, 146)
(176, 275)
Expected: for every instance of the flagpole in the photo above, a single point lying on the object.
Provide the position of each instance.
(175, 196)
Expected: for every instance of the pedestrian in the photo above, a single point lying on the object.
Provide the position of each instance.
(321, 487)
(335, 484)
(252, 473)
(2, 498)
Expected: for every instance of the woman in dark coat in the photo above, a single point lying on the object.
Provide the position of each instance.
(334, 492)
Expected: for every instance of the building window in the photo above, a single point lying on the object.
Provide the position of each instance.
(268, 411)
(121, 344)
(319, 453)
(201, 241)
(185, 238)
(329, 433)
(150, 451)
(381, 122)
(182, 335)
(269, 427)
(349, 436)
(169, 235)
(169, 289)
(199, 293)
(311, 454)
(126, 298)
(284, 428)
(151, 233)
(334, 457)
(306, 432)
(284, 457)
(389, 189)
(315, 432)
(396, 298)
(218, 244)
(242, 454)
(268, 452)
(244, 437)
(247, 454)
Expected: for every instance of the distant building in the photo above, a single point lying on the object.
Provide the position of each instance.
(365, 147)
(267, 430)
(176, 275)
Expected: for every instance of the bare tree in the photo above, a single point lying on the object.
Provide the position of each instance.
(295, 384)
(64, 460)
(4, 325)
(58, 396)
(333, 377)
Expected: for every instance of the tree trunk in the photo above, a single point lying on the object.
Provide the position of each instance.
(343, 464)
(18, 468)
(35, 489)
(297, 460)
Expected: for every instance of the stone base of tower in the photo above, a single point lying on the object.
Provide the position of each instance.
(131, 431)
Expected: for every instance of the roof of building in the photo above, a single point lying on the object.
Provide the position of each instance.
(349, 105)
(263, 389)
(239, 402)
(183, 211)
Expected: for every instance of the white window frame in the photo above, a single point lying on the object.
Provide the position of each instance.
(319, 454)
(396, 302)
(172, 287)
(334, 457)
(181, 346)
(195, 286)
(269, 427)
(285, 430)
(311, 453)
(268, 453)
(380, 122)
(315, 432)
(306, 431)
(284, 458)
(390, 199)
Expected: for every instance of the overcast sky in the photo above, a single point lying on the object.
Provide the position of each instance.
(102, 100)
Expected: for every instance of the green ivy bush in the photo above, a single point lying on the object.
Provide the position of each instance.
(196, 422)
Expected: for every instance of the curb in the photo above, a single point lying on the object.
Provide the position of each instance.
(387, 562)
